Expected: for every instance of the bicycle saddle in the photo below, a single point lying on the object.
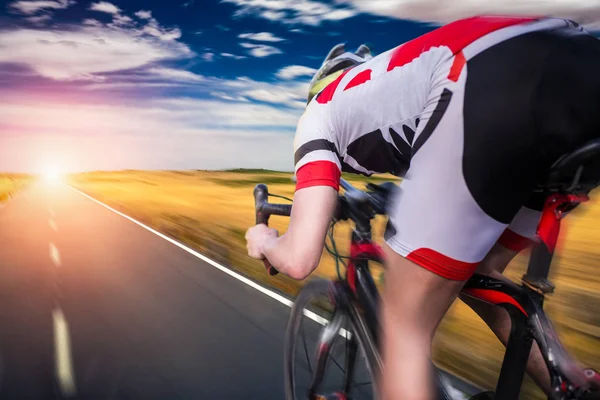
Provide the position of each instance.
(576, 172)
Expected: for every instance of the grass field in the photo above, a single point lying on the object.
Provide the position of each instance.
(211, 211)
(12, 183)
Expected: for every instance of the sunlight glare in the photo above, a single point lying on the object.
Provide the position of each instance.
(51, 174)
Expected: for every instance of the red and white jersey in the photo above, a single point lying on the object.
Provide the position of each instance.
(366, 121)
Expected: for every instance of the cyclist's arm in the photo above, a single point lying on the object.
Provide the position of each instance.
(298, 251)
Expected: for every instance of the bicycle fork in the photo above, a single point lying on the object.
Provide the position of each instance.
(326, 340)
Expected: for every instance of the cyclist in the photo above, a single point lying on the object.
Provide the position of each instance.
(471, 115)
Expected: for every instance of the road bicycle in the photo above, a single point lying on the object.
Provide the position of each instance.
(351, 301)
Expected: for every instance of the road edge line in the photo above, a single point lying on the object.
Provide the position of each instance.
(276, 296)
(195, 253)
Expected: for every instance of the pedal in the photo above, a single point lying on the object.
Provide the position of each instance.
(541, 286)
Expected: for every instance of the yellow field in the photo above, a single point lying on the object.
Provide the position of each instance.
(10, 184)
(212, 210)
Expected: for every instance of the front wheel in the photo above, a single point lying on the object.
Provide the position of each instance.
(328, 352)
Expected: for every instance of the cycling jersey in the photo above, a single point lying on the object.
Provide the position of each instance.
(462, 113)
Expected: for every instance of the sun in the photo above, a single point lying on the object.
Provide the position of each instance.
(52, 174)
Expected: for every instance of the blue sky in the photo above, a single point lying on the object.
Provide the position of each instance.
(181, 84)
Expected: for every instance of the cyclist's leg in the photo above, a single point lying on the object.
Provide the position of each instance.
(475, 161)
(413, 306)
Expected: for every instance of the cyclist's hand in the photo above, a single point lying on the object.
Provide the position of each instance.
(256, 239)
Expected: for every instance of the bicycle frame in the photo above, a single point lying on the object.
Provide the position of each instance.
(360, 279)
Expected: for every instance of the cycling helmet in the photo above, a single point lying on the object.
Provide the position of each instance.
(337, 61)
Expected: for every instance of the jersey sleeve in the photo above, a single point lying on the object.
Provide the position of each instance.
(316, 157)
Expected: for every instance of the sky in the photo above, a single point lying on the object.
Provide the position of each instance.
(189, 84)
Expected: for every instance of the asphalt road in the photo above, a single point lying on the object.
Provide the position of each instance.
(117, 312)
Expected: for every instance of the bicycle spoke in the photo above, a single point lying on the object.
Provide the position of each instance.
(336, 363)
(305, 347)
(362, 389)
(360, 384)
(334, 360)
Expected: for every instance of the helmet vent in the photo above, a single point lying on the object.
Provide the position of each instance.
(337, 51)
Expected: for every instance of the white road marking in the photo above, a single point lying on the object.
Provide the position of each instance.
(54, 255)
(62, 354)
(53, 224)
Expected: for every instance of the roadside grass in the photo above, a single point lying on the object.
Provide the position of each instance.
(210, 211)
(12, 183)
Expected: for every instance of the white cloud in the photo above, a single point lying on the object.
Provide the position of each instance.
(39, 18)
(32, 7)
(308, 12)
(85, 52)
(153, 28)
(105, 7)
(124, 86)
(270, 96)
(272, 15)
(173, 74)
(294, 71)
(234, 56)
(261, 50)
(583, 11)
(261, 37)
(122, 20)
(225, 96)
(144, 14)
(189, 3)
(208, 56)
(291, 94)
(339, 14)
(91, 22)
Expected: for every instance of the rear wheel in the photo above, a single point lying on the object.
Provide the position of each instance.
(326, 358)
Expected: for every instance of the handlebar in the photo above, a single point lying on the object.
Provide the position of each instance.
(264, 210)
(350, 204)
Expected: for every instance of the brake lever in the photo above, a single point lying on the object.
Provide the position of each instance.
(261, 195)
